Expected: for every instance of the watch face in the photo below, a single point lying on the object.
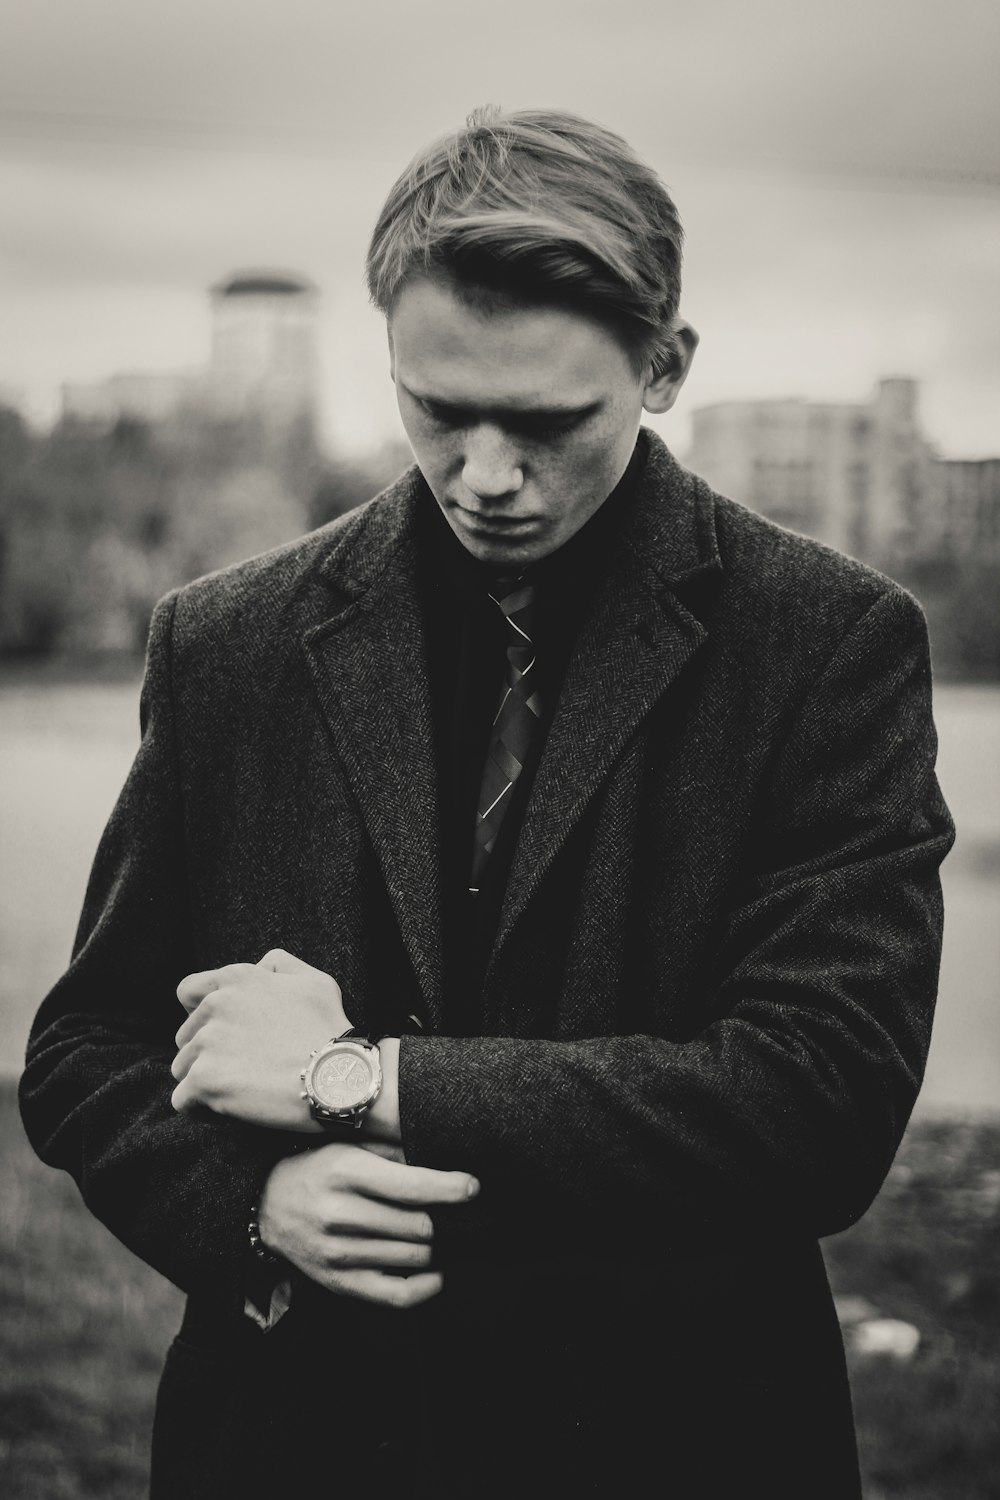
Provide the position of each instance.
(343, 1078)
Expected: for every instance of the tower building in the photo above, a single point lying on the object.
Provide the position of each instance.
(264, 358)
(263, 364)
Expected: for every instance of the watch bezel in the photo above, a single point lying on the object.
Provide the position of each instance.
(345, 1114)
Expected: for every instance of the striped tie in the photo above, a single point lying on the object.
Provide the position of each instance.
(515, 723)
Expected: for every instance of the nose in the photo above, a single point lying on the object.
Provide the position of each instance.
(490, 468)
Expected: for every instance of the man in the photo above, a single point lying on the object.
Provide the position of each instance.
(640, 965)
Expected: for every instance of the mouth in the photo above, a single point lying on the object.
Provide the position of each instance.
(495, 522)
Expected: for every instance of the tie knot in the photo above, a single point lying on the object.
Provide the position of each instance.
(515, 599)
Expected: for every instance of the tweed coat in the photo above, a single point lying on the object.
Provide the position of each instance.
(707, 1010)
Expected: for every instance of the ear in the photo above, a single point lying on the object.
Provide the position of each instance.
(392, 352)
(664, 384)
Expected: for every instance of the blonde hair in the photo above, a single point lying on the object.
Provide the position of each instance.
(537, 206)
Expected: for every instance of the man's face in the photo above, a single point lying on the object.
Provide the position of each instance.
(522, 420)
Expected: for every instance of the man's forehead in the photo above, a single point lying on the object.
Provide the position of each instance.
(521, 358)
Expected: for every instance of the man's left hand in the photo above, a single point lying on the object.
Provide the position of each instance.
(249, 1032)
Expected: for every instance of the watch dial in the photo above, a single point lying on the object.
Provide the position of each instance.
(342, 1080)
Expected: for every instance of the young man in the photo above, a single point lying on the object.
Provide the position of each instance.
(639, 966)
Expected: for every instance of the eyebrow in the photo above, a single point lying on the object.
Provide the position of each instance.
(508, 413)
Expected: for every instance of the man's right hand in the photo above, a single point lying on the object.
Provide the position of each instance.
(356, 1219)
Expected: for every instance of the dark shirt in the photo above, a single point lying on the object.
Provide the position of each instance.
(466, 666)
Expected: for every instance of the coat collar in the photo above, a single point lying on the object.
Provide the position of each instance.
(368, 662)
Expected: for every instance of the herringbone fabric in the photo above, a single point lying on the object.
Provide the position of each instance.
(516, 721)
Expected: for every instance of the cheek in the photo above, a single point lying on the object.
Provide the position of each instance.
(593, 464)
(429, 449)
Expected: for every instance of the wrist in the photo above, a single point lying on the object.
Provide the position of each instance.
(382, 1119)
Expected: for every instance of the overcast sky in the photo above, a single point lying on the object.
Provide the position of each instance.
(836, 167)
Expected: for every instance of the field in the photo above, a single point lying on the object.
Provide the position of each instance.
(85, 1325)
(928, 1253)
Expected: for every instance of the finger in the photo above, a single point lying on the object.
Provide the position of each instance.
(390, 1291)
(185, 1102)
(194, 987)
(183, 1098)
(351, 1252)
(205, 1011)
(352, 1214)
(181, 1065)
(396, 1182)
(190, 1028)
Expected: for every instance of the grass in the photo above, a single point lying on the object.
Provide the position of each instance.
(928, 1253)
(85, 1327)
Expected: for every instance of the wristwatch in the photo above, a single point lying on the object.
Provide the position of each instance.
(341, 1081)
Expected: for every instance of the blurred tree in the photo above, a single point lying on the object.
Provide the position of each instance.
(346, 483)
(961, 599)
(70, 493)
(96, 525)
(237, 513)
(15, 444)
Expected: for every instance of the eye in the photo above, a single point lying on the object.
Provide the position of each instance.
(443, 416)
(527, 428)
(548, 433)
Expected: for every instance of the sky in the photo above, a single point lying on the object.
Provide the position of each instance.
(836, 167)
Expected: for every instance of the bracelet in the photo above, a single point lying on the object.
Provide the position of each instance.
(257, 1244)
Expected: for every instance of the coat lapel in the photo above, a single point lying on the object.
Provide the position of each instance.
(368, 665)
(633, 647)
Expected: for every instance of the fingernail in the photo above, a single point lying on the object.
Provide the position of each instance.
(473, 1187)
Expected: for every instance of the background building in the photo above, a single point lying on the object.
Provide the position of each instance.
(141, 395)
(264, 354)
(860, 476)
(264, 364)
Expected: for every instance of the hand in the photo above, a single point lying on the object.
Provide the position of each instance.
(249, 1032)
(355, 1220)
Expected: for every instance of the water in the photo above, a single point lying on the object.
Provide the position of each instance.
(65, 750)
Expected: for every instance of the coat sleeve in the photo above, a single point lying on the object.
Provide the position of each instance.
(95, 1092)
(789, 1105)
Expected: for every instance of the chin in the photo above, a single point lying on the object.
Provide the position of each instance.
(511, 558)
(497, 553)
